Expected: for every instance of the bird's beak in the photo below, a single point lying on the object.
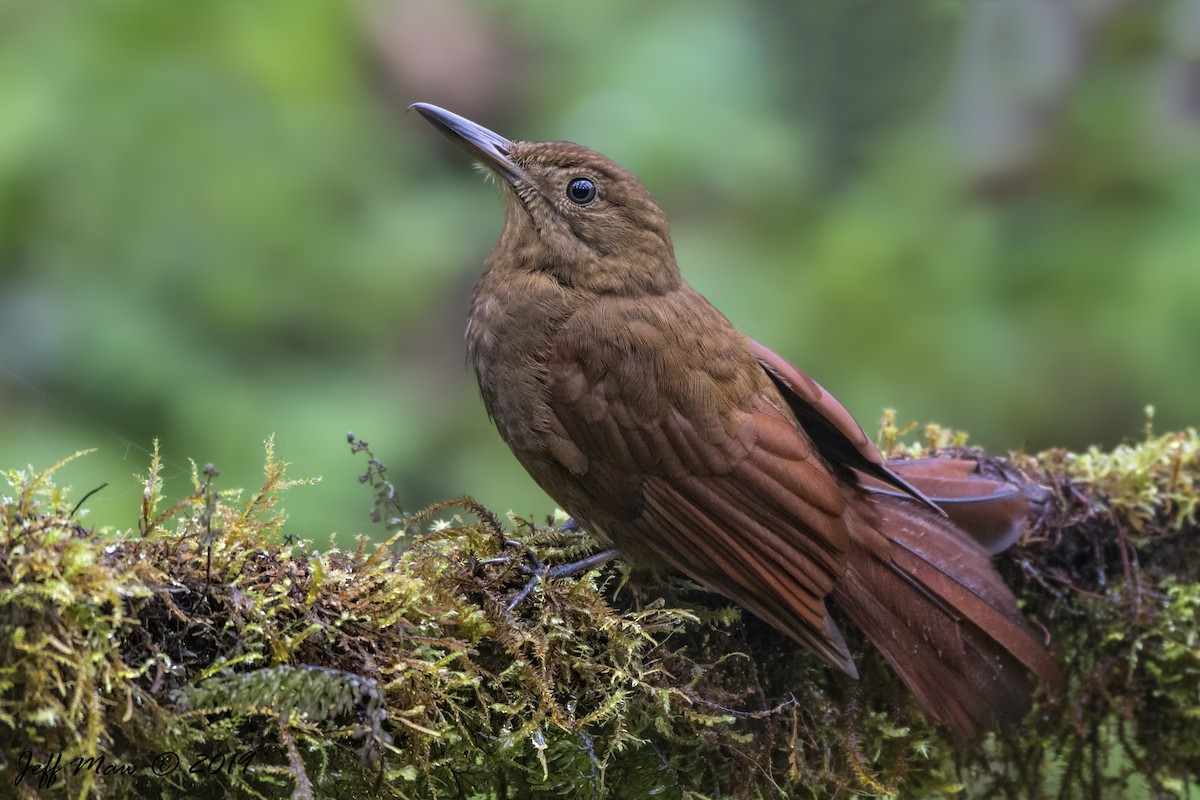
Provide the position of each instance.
(488, 147)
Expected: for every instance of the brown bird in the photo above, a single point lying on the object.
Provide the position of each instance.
(657, 424)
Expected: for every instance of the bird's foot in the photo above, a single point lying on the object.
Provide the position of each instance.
(538, 571)
(541, 571)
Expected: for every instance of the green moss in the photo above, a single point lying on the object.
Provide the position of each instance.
(397, 669)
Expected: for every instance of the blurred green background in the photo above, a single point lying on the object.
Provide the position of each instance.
(217, 223)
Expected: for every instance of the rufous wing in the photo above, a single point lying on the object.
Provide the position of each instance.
(738, 502)
(838, 438)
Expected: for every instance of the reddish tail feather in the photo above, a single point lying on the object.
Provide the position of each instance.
(925, 594)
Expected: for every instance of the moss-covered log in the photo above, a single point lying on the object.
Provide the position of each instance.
(209, 654)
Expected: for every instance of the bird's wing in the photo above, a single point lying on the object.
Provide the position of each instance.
(738, 501)
(838, 438)
(988, 500)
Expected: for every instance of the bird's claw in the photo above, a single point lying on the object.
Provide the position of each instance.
(561, 571)
(536, 570)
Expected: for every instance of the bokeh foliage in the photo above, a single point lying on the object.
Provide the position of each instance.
(216, 224)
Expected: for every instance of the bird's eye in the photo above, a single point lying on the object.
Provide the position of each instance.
(581, 191)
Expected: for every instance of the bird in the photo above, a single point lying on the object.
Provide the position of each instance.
(665, 430)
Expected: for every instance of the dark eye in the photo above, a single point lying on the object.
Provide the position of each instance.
(581, 191)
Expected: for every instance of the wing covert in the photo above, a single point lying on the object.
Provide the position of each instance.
(837, 436)
(736, 500)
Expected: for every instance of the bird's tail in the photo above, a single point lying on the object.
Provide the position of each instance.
(926, 595)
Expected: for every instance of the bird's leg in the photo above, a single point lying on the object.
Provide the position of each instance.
(538, 570)
(561, 571)
(583, 565)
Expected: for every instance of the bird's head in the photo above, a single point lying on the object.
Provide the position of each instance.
(571, 213)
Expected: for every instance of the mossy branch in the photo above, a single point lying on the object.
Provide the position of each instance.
(266, 667)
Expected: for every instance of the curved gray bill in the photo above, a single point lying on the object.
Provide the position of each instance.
(488, 147)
